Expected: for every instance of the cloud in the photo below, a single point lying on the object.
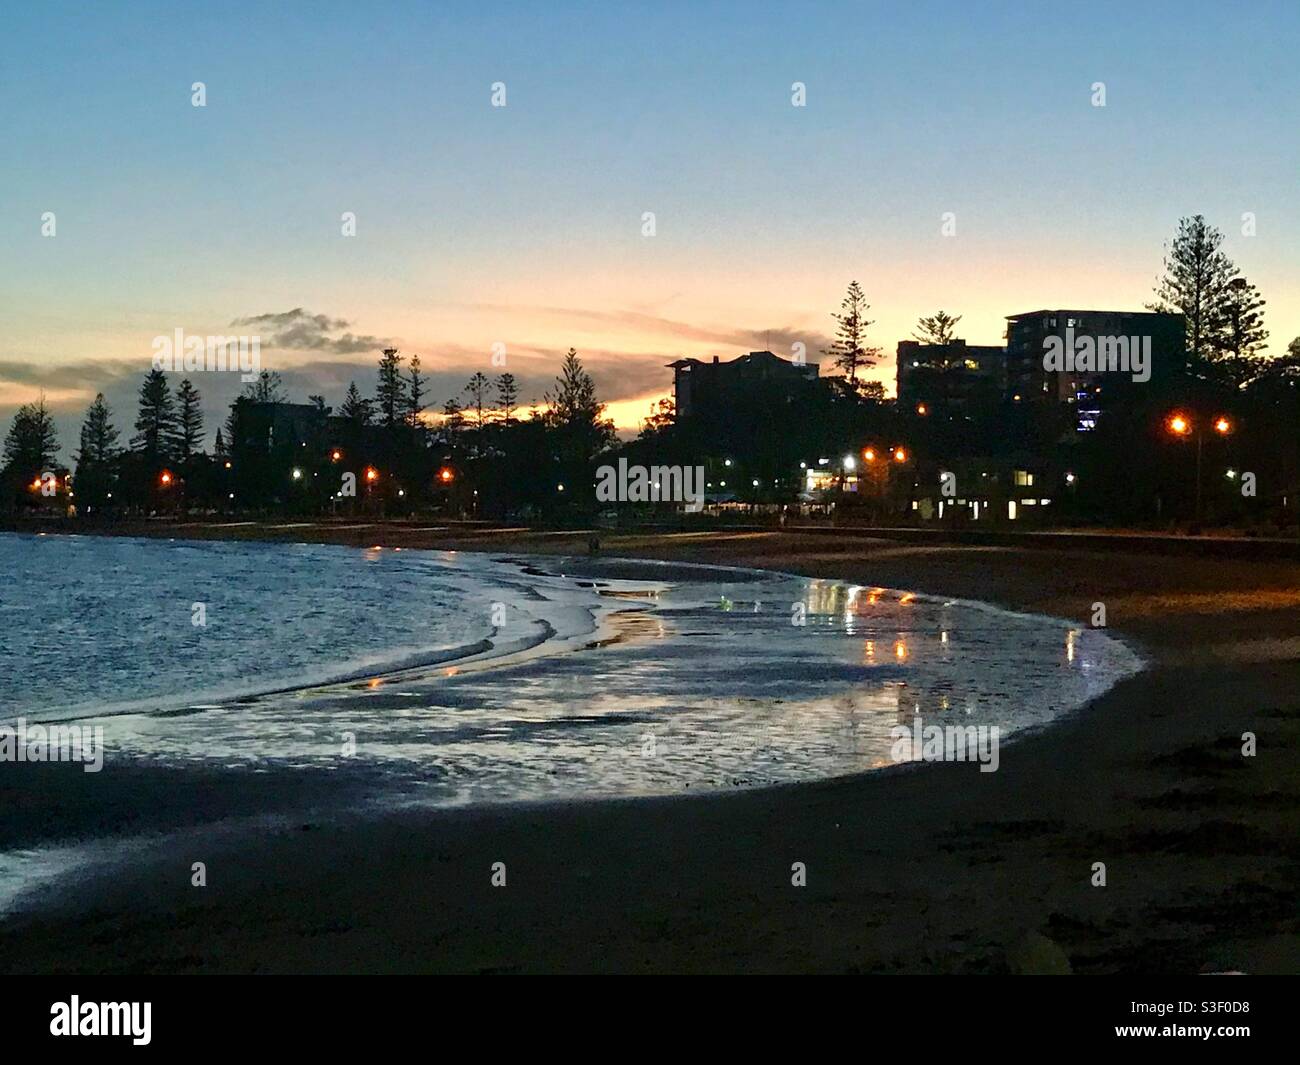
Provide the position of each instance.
(779, 338)
(299, 330)
(621, 374)
(87, 374)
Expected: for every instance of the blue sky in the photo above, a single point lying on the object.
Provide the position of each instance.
(522, 224)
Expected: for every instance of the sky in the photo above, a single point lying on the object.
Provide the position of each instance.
(523, 225)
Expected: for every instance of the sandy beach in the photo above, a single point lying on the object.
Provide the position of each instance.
(927, 869)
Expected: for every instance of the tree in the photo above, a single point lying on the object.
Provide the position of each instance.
(941, 328)
(415, 393)
(477, 392)
(1277, 372)
(189, 422)
(1195, 284)
(573, 399)
(1238, 329)
(268, 388)
(357, 410)
(453, 421)
(98, 455)
(98, 436)
(850, 351)
(663, 415)
(155, 422)
(390, 391)
(32, 443)
(507, 397)
(573, 410)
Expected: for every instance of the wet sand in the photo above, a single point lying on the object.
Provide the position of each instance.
(936, 868)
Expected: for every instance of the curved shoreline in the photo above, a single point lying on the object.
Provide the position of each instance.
(908, 872)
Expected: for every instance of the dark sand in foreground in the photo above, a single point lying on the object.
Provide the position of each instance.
(937, 868)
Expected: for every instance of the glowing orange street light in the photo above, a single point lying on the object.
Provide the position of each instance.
(922, 409)
(36, 485)
(869, 454)
(900, 454)
(372, 474)
(165, 479)
(335, 455)
(446, 475)
(1182, 425)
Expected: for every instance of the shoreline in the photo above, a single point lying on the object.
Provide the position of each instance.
(915, 870)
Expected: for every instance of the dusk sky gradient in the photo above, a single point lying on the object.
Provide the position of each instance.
(523, 224)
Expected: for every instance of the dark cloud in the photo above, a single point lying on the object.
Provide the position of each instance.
(86, 374)
(778, 338)
(299, 330)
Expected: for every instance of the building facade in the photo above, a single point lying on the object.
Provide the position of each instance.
(700, 387)
(953, 375)
(1079, 357)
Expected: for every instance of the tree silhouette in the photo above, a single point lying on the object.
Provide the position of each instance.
(189, 422)
(268, 388)
(155, 420)
(32, 444)
(356, 409)
(940, 328)
(507, 397)
(1195, 284)
(96, 461)
(850, 351)
(415, 393)
(390, 390)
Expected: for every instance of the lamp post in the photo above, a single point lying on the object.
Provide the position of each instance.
(1184, 425)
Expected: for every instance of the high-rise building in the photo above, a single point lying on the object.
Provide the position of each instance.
(1081, 357)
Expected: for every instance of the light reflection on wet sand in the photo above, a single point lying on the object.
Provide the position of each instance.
(689, 686)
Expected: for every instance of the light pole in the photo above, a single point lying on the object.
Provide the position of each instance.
(1184, 425)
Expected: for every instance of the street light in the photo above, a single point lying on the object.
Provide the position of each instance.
(869, 454)
(922, 409)
(900, 454)
(1183, 425)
